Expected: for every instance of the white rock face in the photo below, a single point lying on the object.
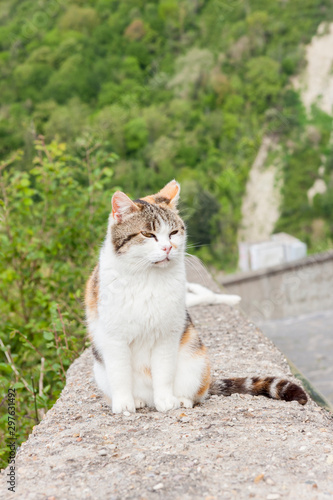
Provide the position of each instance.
(319, 187)
(261, 203)
(316, 83)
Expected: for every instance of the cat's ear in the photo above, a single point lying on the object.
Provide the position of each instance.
(122, 206)
(171, 193)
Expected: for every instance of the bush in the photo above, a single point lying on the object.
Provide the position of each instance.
(52, 220)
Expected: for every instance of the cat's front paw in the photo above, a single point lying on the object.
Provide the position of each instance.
(186, 403)
(167, 403)
(121, 404)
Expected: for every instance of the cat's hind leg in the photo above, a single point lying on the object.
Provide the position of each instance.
(101, 379)
(192, 378)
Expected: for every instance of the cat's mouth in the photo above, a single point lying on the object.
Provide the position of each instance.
(164, 261)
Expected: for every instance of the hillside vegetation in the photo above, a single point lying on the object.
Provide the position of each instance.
(100, 94)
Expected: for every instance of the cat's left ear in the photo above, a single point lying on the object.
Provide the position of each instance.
(122, 206)
(171, 193)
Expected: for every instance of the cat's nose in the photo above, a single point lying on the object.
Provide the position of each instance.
(167, 249)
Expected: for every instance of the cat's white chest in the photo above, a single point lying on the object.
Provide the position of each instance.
(143, 307)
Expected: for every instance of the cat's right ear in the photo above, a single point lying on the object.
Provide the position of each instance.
(171, 193)
(122, 206)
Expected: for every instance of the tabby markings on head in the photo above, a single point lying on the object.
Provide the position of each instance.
(149, 218)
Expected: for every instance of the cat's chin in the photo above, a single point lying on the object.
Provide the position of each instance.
(162, 263)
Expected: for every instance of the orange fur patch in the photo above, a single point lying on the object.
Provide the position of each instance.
(149, 199)
(147, 371)
(167, 197)
(169, 191)
(187, 335)
(262, 385)
(205, 382)
(92, 291)
(201, 350)
(192, 340)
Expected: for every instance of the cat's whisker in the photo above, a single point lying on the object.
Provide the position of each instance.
(145, 264)
(194, 245)
(192, 265)
(140, 265)
(198, 267)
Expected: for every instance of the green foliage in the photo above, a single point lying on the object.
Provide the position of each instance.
(53, 218)
(136, 134)
(264, 81)
(175, 88)
(83, 19)
(308, 157)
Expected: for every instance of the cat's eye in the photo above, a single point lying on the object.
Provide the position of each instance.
(148, 235)
(173, 232)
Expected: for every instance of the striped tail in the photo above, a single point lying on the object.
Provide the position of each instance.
(271, 387)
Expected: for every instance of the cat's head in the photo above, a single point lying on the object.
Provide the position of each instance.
(148, 230)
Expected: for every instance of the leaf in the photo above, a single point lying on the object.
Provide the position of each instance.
(48, 335)
(108, 172)
(24, 182)
(18, 385)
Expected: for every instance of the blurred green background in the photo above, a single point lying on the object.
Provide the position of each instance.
(97, 95)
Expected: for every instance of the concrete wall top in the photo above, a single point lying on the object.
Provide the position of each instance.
(280, 269)
(229, 447)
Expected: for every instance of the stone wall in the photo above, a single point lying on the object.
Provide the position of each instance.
(286, 290)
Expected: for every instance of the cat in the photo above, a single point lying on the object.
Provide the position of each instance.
(147, 351)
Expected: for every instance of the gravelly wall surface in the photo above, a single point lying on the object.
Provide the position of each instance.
(236, 447)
